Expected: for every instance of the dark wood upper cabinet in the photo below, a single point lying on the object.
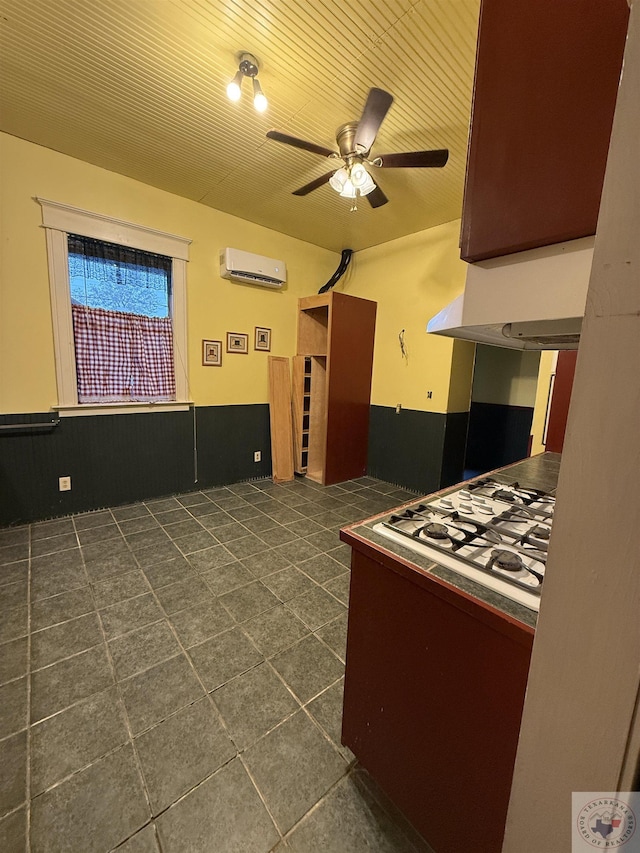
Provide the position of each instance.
(547, 74)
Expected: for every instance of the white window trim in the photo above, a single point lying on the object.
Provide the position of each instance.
(59, 220)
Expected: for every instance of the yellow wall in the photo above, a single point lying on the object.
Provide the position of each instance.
(411, 279)
(547, 367)
(505, 377)
(215, 306)
(462, 362)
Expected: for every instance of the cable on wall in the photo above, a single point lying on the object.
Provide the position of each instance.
(345, 260)
(403, 347)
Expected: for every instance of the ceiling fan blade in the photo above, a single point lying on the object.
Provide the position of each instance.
(377, 198)
(415, 159)
(376, 108)
(313, 185)
(300, 143)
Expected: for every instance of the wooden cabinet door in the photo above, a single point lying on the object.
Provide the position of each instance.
(434, 690)
(546, 82)
(350, 364)
(560, 400)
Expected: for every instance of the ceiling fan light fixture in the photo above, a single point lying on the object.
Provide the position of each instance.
(259, 98)
(234, 89)
(350, 185)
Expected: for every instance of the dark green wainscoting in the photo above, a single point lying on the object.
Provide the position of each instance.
(117, 459)
(498, 435)
(423, 451)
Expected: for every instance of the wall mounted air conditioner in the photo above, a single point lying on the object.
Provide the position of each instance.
(237, 265)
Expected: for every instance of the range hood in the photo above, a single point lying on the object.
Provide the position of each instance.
(528, 300)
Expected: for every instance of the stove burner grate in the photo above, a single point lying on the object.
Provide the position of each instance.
(504, 495)
(436, 531)
(539, 532)
(508, 561)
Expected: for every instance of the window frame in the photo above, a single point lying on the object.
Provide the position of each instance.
(59, 220)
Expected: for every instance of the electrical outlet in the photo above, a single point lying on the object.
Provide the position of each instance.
(64, 484)
(257, 456)
(429, 395)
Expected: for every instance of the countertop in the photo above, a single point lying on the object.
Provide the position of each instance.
(536, 472)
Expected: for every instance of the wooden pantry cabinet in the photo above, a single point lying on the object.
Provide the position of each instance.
(331, 386)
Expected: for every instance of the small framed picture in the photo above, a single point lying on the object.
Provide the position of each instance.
(237, 342)
(263, 339)
(212, 353)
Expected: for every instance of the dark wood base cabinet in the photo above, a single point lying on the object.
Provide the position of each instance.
(434, 690)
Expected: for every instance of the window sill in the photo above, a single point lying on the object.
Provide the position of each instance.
(84, 409)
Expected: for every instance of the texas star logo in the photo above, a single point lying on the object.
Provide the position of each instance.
(606, 823)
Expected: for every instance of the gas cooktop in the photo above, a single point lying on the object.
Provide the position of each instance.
(494, 533)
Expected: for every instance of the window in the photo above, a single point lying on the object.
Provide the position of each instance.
(120, 299)
(118, 303)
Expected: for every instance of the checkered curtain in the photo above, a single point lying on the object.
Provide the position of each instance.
(122, 357)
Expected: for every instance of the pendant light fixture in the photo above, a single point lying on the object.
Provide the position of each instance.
(247, 67)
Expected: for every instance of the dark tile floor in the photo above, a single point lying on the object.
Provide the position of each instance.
(171, 677)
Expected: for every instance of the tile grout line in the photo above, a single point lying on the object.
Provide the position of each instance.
(262, 799)
(317, 804)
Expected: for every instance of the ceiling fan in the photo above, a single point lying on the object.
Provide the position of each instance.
(355, 140)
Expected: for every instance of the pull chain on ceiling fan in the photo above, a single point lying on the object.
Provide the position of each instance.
(355, 140)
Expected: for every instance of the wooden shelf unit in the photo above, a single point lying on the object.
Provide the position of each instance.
(301, 407)
(331, 386)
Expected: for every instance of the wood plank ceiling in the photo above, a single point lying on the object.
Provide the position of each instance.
(138, 87)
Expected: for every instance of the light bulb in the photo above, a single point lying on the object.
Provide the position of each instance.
(339, 179)
(259, 98)
(233, 89)
(358, 175)
(368, 185)
(348, 190)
